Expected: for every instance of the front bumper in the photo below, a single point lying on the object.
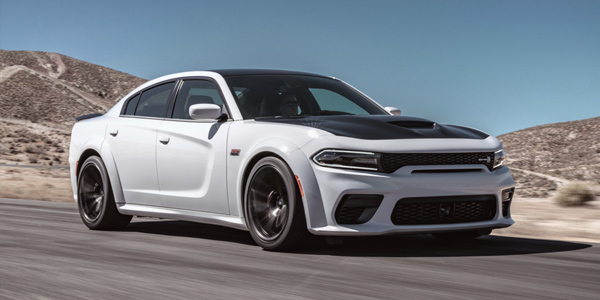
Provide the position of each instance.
(405, 183)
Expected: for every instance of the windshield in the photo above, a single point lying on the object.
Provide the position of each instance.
(267, 96)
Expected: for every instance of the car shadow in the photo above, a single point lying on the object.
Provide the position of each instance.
(381, 246)
(428, 246)
(190, 229)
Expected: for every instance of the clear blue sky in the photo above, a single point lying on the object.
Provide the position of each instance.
(495, 65)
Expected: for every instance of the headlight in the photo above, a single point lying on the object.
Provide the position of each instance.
(348, 159)
(499, 157)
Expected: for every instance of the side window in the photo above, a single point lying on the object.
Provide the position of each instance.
(131, 104)
(332, 101)
(154, 101)
(195, 91)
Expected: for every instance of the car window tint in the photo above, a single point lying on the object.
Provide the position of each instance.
(131, 104)
(195, 92)
(268, 96)
(332, 101)
(154, 101)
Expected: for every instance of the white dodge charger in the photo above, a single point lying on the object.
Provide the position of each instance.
(284, 155)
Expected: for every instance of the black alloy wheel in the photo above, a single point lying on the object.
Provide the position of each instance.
(273, 207)
(95, 199)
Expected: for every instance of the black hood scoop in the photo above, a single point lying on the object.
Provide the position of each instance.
(414, 124)
(381, 127)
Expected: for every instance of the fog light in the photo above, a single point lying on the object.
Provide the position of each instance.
(507, 196)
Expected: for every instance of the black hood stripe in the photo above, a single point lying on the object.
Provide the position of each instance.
(378, 127)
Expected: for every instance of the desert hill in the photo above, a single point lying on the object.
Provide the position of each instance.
(50, 87)
(41, 94)
(543, 157)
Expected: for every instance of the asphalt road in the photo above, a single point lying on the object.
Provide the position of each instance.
(47, 253)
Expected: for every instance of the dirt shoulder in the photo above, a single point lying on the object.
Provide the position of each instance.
(35, 183)
(542, 218)
(538, 218)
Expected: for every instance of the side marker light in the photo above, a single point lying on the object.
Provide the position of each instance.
(299, 186)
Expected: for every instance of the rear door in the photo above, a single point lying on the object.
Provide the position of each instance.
(191, 154)
(132, 140)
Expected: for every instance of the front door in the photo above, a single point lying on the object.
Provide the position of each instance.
(191, 154)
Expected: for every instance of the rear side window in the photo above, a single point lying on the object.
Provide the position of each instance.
(195, 92)
(131, 104)
(154, 101)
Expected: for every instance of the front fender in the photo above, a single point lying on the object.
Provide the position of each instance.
(291, 154)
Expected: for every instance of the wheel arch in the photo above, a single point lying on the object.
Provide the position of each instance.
(299, 164)
(103, 151)
(85, 155)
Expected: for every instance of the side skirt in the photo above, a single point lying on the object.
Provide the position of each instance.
(185, 215)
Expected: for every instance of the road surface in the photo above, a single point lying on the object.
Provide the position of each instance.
(47, 253)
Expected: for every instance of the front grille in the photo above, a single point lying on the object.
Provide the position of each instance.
(444, 210)
(390, 162)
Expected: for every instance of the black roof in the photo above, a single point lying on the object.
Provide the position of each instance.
(243, 72)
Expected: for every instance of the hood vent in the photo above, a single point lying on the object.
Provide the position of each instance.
(414, 124)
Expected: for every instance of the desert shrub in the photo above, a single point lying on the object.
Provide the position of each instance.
(575, 194)
(31, 149)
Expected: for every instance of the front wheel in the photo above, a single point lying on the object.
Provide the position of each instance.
(95, 197)
(273, 207)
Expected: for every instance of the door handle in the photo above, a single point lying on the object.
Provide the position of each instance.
(164, 140)
(114, 132)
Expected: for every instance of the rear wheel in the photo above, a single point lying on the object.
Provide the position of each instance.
(273, 207)
(95, 198)
(462, 235)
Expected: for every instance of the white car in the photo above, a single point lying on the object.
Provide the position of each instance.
(284, 155)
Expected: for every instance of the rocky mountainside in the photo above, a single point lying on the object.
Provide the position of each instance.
(545, 156)
(50, 87)
(41, 94)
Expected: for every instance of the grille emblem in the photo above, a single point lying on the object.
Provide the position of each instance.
(446, 210)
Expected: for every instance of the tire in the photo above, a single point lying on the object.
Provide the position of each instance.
(462, 235)
(273, 206)
(95, 198)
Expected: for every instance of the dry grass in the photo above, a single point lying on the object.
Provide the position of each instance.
(575, 194)
(542, 218)
(40, 184)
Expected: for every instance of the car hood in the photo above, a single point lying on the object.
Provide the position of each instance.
(380, 127)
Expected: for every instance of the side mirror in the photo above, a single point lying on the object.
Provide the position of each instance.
(205, 111)
(392, 110)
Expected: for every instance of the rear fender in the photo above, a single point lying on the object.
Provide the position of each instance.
(113, 173)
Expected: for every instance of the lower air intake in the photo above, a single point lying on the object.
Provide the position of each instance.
(357, 209)
(444, 210)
